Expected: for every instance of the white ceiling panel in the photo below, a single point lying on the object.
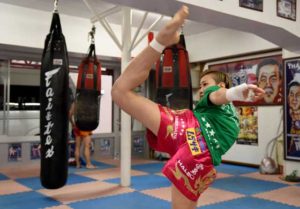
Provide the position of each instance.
(79, 9)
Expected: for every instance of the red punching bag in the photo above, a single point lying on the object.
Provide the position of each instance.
(173, 80)
(88, 91)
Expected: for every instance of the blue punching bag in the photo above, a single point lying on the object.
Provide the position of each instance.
(54, 84)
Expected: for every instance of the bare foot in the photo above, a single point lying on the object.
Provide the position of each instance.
(91, 166)
(169, 34)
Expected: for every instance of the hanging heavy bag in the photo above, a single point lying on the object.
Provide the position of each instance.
(54, 108)
(173, 78)
(87, 101)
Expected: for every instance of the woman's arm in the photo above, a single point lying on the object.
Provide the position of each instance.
(243, 92)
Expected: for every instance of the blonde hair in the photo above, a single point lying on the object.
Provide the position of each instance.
(218, 76)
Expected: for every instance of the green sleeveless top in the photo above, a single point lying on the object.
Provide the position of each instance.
(219, 125)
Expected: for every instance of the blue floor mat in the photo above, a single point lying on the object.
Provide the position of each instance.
(32, 182)
(73, 169)
(102, 165)
(3, 177)
(235, 169)
(35, 184)
(145, 182)
(27, 200)
(248, 203)
(125, 201)
(77, 179)
(149, 168)
(244, 185)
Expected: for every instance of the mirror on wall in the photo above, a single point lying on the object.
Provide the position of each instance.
(19, 98)
(24, 106)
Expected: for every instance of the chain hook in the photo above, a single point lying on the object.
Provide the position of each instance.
(55, 6)
(92, 34)
(181, 28)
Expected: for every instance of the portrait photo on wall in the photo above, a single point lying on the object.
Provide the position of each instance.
(248, 125)
(265, 72)
(105, 146)
(14, 152)
(35, 151)
(252, 4)
(138, 146)
(292, 109)
(287, 9)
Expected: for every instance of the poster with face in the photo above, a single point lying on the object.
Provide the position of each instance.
(292, 109)
(287, 9)
(265, 72)
(252, 4)
(248, 125)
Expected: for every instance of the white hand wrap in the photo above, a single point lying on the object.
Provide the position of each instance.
(236, 93)
(157, 46)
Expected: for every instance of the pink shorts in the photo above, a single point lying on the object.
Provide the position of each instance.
(190, 168)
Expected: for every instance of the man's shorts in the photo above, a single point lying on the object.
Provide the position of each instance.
(80, 133)
(190, 167)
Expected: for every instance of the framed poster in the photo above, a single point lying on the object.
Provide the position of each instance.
(252, 4)
(265, 72)
(248, 125)
(138, 144)
(292, 109)
(106, 146)
(287, 9)
(15, 152)
(35, 151)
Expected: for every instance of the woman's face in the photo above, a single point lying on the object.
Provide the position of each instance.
(205, 82)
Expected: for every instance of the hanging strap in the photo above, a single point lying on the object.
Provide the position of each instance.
(55, 24)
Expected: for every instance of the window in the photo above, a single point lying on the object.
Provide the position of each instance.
(24, 97)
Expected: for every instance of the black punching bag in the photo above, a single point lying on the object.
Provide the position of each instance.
(54, 84)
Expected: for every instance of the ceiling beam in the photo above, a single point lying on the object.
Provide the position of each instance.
(277, 35)
(106, 13)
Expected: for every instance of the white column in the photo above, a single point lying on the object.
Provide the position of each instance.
(125, 118)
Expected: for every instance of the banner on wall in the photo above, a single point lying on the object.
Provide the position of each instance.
(292, 109)
(265, 72)
(248, 125)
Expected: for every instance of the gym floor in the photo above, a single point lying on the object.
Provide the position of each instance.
(236, 187)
